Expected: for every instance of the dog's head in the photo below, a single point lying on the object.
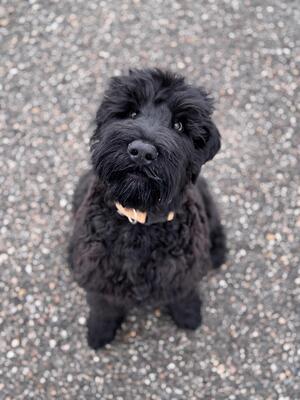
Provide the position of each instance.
(153, 134)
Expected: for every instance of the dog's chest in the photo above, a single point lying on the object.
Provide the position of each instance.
(142, 262)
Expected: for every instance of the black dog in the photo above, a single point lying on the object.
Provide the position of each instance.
(146, 228)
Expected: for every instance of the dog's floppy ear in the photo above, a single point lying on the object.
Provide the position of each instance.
(110, 99)
(101, 114)
(206, 136)
(207, 143)
(213, 143)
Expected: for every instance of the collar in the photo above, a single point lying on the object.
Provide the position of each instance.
(143, 217)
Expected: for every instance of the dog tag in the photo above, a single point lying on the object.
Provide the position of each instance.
(132, 221)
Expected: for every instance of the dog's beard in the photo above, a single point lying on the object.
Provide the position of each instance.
(135, 191)
(143, 188)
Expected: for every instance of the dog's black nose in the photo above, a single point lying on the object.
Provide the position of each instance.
(142, 152)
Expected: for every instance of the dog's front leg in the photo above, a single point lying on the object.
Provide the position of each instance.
(186, 312)
(104, 319)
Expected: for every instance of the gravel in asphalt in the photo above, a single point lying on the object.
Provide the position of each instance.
(56, 57)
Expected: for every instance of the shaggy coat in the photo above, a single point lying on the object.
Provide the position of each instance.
(138, 263)
(121, 264)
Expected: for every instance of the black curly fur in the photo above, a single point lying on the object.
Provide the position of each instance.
(120, 264)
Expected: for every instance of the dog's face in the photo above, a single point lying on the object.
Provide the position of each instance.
(154, 132)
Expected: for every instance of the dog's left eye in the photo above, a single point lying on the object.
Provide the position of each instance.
(133, 114)
(178, 126)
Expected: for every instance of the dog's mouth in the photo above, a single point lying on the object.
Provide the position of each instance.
(136, 188)
(145, 173)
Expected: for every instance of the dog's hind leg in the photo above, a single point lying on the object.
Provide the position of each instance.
(218, 246)
(217, 235)
(186, 312)
(104, 319)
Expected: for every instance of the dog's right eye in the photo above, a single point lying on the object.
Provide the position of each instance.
(133, 114)
(178, 126)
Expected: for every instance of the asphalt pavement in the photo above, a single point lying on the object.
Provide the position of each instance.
(56, 57)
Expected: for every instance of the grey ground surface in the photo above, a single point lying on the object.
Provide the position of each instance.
(55, 59)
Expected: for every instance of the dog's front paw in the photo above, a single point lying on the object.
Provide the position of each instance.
(187, 313)
(101, 333)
